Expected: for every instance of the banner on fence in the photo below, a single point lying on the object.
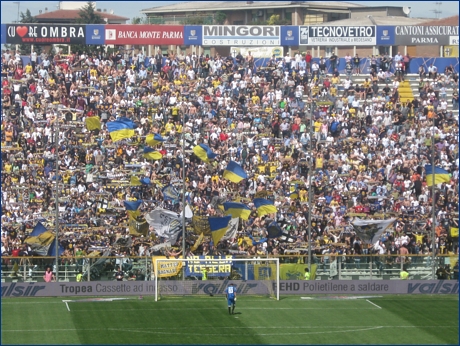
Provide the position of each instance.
(165, 269)
(214, 268)
(259, 52)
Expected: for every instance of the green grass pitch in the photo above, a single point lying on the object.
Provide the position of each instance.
(390, 319)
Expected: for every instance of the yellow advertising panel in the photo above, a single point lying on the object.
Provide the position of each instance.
(294, 271)
(264, 271)
(450, 51)
(165, 269)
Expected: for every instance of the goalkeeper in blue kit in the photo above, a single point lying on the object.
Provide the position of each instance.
(230, 293)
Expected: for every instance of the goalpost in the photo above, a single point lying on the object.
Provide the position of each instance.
(182, 277)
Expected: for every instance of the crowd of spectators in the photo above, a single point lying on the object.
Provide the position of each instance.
(366, 142)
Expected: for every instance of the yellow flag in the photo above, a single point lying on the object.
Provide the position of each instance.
(135, 181)
(197, 242)
(93, 123)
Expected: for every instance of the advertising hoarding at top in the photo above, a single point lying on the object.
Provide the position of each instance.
(337, 35)
(420, 35)
(241, 35)
(144, 34)
(45, 34)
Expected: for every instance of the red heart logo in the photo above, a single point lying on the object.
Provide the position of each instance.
(22, 30)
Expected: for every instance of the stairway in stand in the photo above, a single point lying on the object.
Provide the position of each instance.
(405, 91)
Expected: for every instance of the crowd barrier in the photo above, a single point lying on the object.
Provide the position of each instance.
(326, 267)
(364, 65)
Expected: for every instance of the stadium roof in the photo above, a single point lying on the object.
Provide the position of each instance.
(192, 6)
(378, 20)
(73, 14)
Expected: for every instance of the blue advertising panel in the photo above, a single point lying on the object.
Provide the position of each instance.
(95, 34)
(193, 35)
(290, 35)
(385, 35)
(3, 33)
(215, 268)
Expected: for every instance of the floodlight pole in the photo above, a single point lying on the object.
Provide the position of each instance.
(56, 196)
(183, 194)
(310, 172)
(433, 207)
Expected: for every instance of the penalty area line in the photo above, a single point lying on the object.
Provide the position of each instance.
(367, 300)
(67, 304)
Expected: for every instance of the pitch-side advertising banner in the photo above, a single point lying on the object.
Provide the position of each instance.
(241, 35)
(337, 35)
(130, 288)
(144, 34)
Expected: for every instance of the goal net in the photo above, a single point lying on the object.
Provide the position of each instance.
(208, 275)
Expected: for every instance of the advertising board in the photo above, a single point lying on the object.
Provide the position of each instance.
(420, 35)
(44, 34)
(241, 35)
(337, 35)
(129, 288)
(144, 34)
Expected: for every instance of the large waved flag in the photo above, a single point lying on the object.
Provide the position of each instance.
(165, 223)
(132, 208)
(170, 193)
(152, 154)
(274, 230)
(264, 206)
(52, 249)
(38, 229)
(40, 244)
(204, 152)
(232, 230)
(154, 139)
(93, 123)
(218, 226)
(234, 172)
(439, 175)
(370, 231)
(120, 129)
(237, 210)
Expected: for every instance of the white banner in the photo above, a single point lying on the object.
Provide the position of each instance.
(232, 229)
(166, 223)
(241, 35)
(370, 230)
(453, 40)
(259, 52)
(333, 269)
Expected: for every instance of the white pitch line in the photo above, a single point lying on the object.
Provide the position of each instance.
(195, 327)
(367, 300)
(67, 304)
(194, 309)
(253, 334)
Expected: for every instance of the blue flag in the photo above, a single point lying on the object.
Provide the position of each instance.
(38, 229)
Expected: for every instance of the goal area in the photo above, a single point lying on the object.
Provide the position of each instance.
(207, 275)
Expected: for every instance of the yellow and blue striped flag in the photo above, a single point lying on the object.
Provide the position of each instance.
(154, 139)
(440, 175)
(218, 226)
(234, 172)
(120, 129)
(237, 210)
(132, 208)
(204, 152)
(93, 123)
(264, 206)
(152, 154)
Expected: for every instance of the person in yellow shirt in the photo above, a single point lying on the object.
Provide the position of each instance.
(215, 83)
(255, 99)
(317, 126)
(333, 90)
(169, 126)
(28, 70)
(319, 162)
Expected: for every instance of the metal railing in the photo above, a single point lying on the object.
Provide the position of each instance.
(328, 267)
